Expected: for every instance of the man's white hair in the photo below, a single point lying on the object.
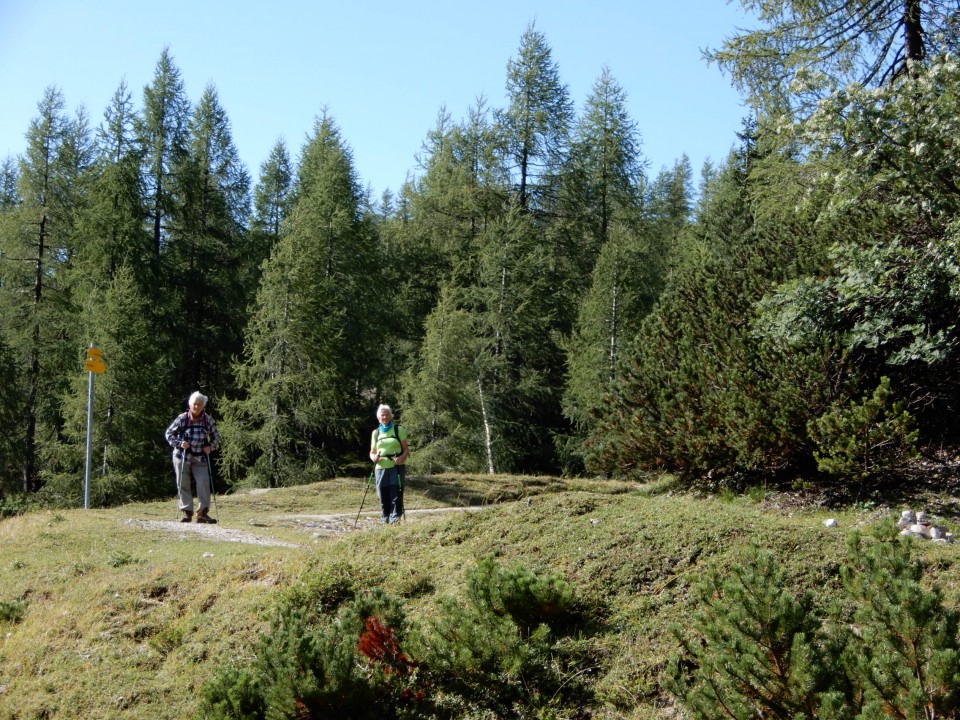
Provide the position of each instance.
(197, 395)
(384, 407)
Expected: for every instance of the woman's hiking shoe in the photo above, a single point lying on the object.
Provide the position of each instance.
(203, 517)
(187, 516)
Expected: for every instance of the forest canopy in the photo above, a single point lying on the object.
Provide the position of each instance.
(531, 301)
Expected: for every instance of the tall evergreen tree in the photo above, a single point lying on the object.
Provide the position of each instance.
(697, 395)
(445, 211)
(163, 134)
(11, 413)
(8, 184)
(130, 403)
(450, 411)
(208, 251)
(113, 227)
(271, 207)
(604, 178)
(318, 317)
(506, 398)
(614, 270)
(536, 122)
(37, 249)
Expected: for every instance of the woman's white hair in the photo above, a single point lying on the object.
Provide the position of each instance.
(384, 407)
(197, 395)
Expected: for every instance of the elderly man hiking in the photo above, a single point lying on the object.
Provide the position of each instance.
(389, 450)
(193, 436)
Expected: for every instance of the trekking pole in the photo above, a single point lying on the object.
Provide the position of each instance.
(213, 490)
(179, 479)
(401, 473)
(366, 487)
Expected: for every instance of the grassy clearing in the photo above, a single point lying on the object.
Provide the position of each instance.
(103, 618)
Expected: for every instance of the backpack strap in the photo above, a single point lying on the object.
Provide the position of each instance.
(396, 434)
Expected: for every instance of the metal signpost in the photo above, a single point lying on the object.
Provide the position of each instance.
(95, 366)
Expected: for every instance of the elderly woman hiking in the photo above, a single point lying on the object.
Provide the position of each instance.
(192, 435)
(389, 450)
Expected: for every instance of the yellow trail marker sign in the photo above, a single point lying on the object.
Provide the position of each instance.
(94, 362)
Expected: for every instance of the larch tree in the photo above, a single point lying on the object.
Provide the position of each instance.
(129, 459)
(515, 303)
(116, 310)
(271, 207)
(8, 183)
(208, 250)
(11, 439)
(462, 192)
(602, 223)
(317, 316)
(805, 49)
(113, 225)
(162, 131)
(37, 247)
(450, 414)
(536, 122)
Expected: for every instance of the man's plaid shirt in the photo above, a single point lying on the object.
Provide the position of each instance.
(199, 433)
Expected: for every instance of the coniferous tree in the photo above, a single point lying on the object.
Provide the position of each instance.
(887, 292)
(670, 205)
(759, 650)
(37, 249)
(490, 352)
(11, 408)
(208, 253)
(316, 321)
(113, 227)
(602, 212)
(271, 208)
(604, 179)
(755, 648)
(9, 197)
(163, 133)
(507, 282)
(905, 662)
(695, 396)
(514, 302)
(462, 191)
(805, 50)
(11, 437)
(448, 413)
(536, 122)
(129, 459)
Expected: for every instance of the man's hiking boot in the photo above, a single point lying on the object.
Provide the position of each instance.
(187, 516)
(203, 517)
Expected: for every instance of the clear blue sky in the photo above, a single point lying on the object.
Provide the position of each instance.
(383, 70)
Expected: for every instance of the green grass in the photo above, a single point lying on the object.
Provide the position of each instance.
(101, 617)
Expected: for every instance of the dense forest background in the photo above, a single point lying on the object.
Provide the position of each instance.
(531, 301)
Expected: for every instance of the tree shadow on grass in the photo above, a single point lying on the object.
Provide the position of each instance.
(465, 490)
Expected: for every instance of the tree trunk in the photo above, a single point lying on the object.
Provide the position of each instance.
(913, 30)
(487, 440)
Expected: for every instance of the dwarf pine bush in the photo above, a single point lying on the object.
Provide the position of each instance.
(495, 653)
(860, 439)
(904, 656)
(350, 667)
(520, 594)
(756, 650)
(753, 649)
